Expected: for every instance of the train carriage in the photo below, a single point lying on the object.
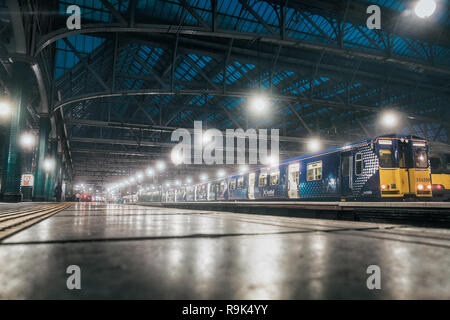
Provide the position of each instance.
(180, 195)
(190, 193)
(212, 191)
(222, 190)
(268, 183)
(201, 192)
(237, 187)
(390, 167)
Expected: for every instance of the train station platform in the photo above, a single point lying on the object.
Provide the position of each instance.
(430, 214)
(131, 251)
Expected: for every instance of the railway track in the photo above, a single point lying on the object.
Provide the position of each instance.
(13, 221)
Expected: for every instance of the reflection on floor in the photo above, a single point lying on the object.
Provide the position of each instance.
(127, 252)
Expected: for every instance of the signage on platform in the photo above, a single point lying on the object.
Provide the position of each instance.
(27, 180)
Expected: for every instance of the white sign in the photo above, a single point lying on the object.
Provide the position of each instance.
(27, 180)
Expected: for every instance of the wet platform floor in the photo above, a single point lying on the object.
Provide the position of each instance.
(133, 252)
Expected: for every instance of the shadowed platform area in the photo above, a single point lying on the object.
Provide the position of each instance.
(168, 253)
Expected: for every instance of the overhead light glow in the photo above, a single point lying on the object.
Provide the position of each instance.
(243, 169)
(188, 180)
(221, 173)
(140, 176)
(272, 161)
(389, 119)
(206, 138)
(27, 140)
(49, 164)
(5, 109)
(176, 156)
(425, 8)
(160, 165)
(314, 145)
(203, 177)
(259, 104)
(150, 172)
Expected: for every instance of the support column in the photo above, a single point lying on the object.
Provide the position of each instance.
(51, 176)
(40, 175)
(59, 173)
(12, 163)
(27, 191)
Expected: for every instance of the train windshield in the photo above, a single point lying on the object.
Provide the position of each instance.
(420, 158)
(386, 159)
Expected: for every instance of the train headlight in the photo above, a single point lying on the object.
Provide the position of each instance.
(420, 187)
(429, 187)
(383, 187)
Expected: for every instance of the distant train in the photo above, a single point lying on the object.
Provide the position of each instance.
(440, 175)
(385, 168)
(129, 199)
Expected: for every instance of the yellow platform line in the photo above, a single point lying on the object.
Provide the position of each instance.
(25, 210)
(14, 223)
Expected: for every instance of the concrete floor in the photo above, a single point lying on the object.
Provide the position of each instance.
(133, 252)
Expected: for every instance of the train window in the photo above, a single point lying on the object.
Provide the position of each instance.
(262, 182)
(314, 171)
(297, 177)
(358, 164)
(446, 165)
(435, 163)
(275, 178)
(420, 158)
(240, 184)
(233, 184)
(386, 160)
(223, 186)
(345, 166)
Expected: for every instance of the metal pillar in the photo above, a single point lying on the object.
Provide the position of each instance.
(27, 191)
(59, 174)
(40, 175)
(12, 163)
(51, 176)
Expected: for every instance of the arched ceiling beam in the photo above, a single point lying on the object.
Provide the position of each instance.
(169, 29)
(287, 98)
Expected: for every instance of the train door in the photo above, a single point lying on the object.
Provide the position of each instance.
(251, 186)
(404, 163)
(293, 180)
(346, 174)
(208, 189)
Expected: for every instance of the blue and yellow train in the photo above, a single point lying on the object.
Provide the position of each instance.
(384, 168)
